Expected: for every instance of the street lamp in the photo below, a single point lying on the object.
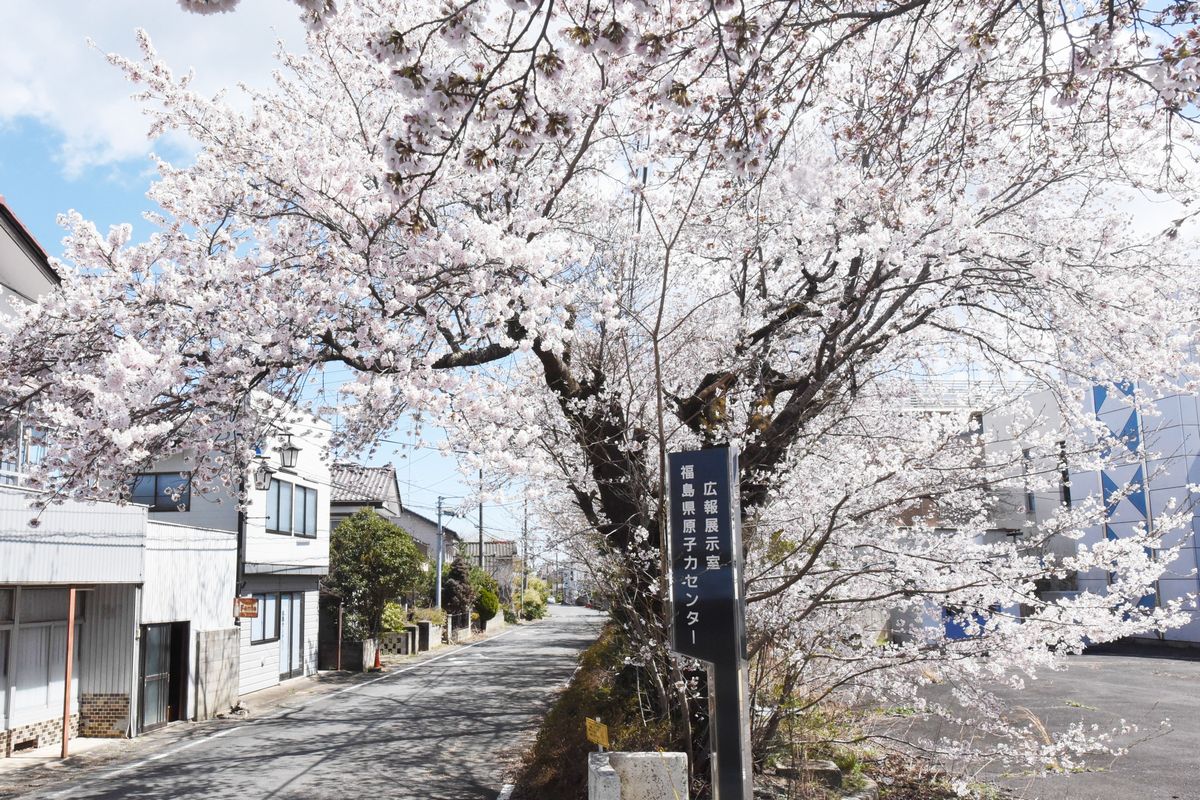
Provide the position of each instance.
(288, 453)
(262, 474)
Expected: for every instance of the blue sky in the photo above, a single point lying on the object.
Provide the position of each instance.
(70, 138)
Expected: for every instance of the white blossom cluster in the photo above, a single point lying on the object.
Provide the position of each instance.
(579, 235)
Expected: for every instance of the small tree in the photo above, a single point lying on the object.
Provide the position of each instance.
(458, 595)
(487, 604)
(371, 561)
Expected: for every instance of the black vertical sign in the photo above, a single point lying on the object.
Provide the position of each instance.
(707, 603)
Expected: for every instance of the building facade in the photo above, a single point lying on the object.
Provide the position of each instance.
(151, 598)
(499, 560)
(284, 530)
(156, 637)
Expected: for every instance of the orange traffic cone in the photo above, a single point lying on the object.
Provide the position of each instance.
(378, 663)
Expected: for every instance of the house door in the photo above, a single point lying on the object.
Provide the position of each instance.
(291, 635)
(164, 673)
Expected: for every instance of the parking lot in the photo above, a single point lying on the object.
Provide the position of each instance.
(1158, 694)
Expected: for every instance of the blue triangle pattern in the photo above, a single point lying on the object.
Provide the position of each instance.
(1099, 395)
(1129, 434)
(1138, 496)
(1110, 490)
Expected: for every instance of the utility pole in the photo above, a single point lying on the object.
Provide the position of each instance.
(437, 578)
(525, 552)
(481, 517)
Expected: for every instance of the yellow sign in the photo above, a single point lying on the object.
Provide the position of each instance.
(597, 731)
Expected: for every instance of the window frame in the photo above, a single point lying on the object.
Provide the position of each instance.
(185, 499)
(262, 610)
(275, 508)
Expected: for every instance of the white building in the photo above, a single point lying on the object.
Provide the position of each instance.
(153, 615)
(156, 636)
(1152, 468)
(286, 545)
(1156, 456)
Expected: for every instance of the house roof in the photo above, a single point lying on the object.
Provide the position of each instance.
(445, 530)
(27, 239)
(355, 483)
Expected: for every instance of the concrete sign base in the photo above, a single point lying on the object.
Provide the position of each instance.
(637, 776)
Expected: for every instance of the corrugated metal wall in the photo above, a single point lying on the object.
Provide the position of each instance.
(70, 543)
(107, 641)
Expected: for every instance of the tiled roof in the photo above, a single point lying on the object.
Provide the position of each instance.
(354, 483)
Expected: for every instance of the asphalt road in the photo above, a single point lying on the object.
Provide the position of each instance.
(441, 729)
(1159, 695)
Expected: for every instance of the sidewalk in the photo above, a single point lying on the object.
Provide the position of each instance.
(40, 769)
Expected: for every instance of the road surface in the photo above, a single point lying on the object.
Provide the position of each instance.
(441, 729)
(1157, 693)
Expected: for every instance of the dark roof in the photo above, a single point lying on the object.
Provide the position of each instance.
(27, 239)
(355, 483)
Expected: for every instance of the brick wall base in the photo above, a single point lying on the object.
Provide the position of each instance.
(104, 715)
(45, 733)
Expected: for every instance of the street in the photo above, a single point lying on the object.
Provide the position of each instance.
(439, 729)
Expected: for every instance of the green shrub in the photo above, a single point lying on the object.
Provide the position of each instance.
(510, 616)
(487, 604)
(533, 604)
(394, 618)
(371, 562)
(433, 615)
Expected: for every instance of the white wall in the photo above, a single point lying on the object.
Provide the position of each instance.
(311, 470)
(211, 507)
(191, 576)
(19, 270)
(259, 667)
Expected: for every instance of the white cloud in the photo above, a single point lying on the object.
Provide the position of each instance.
(50, 74)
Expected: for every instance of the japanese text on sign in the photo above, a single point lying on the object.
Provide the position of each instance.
(703, 576)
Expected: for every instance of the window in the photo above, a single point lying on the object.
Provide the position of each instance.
(20, 446)
(291, 509)
(304, 515)
(163, 491)
(265, 627)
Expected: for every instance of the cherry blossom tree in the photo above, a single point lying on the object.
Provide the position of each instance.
(580, 235)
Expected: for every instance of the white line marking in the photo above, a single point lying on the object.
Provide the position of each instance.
(506, 792)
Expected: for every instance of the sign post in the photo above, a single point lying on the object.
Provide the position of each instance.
(597, 732)
(708, 606)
